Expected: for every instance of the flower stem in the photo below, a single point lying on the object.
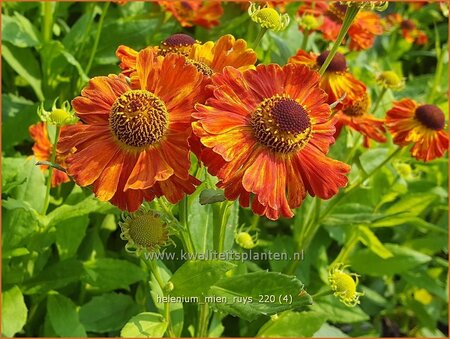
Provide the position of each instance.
(438, 73)
(50, 171)
(350, 15)
(223, 225)
(203, 320)
(184, 219)
(380, 97)
(305, 39)
(322, 294)
(97, 37)
(259, 37)
(154, 268)
(47, 22)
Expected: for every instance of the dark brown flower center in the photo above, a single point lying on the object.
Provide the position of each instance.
(179, 40)
(138, 118)
(408, 24)
(177, 43)
(281, 124)
(431, 116)
(337, 64)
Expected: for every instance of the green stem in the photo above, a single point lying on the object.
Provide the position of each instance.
(154, 268)
(50, 171)
(47, 22)
(380, 97)
(184, 219)
(260, 35)
(203, 320)
(305, 40)
(350, 15)
(321, 294)
(223, 225)
(97, 37)
(437, 75)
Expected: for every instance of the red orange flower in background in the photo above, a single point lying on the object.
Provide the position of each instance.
(338, 82)
(362, 32)
(420, 125)
(42, 150)
(357, 117)
(133, 143)
(267, 135)
(190, 12)
(209, 57)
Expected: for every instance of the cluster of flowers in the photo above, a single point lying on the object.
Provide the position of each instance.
(263, 130)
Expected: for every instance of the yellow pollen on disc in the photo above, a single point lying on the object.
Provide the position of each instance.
(138, 119)
(201, 67)
(281, 124)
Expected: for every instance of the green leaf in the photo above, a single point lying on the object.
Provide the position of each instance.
(105, 274)
(412, 204)
(63, 316)
(19, 31)
(33, 189)
(210, 196)
(87, 205)
(194, 278)
(14, 312)
(200, 221)
(250, 295)
(373, 158)
(108, 312)
(337, 312)
(328, 331)
(20, 222)
(292, 324)
(70, 234)
(403, 259)
(18, 114)
(23, 61)
(369, 239)
(145, 325)
(54, 277)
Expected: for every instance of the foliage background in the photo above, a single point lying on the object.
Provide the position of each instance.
(67, 273)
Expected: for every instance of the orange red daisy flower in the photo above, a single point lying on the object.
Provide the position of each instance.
(338, 83)
(189, 13)
(362, 32)
(133, 143)
(420, 125)
(209, 57)
(267, 135)
(42, 150)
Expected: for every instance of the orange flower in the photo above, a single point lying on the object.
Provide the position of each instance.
(362, 32)
(42, 150)
(336, 80)
(421, 125)
(266, 135)
(357, 117)
(133, 145)
(190, 12)
(412, 34)
(209, 57)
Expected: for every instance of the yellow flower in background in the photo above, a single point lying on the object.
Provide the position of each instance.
(268, 18)
(390, 79)
(423, 296)
(344, 285)
(246, 240)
